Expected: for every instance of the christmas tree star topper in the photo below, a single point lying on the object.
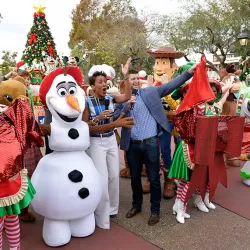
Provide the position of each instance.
(39, 8)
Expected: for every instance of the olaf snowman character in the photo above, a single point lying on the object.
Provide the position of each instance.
(66, 181)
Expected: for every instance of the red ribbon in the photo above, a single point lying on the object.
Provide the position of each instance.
(33, 37)
(39, 14)
(50, 50)
(214, 136)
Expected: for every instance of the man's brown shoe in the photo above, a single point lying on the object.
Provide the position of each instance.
(133, 212)
(154, 219)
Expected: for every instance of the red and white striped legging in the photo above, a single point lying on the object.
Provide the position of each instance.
(12, 230)
(183, 188)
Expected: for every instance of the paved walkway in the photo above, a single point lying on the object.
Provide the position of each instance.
(118, 238)
(216, 230)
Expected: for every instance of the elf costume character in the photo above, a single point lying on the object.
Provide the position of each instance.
(200, 169)
(33, 154)
(18, 130)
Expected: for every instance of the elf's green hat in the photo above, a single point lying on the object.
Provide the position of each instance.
(186, 67)
(176, 93)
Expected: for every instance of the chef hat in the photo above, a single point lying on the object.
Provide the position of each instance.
(95, 68)
(108, 70)
(48, 80)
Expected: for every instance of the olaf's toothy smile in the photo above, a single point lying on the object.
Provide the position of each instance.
(66, 118)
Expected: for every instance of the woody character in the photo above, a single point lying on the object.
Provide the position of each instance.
(164, 69)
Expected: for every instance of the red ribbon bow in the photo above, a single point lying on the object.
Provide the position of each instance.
(33, 37)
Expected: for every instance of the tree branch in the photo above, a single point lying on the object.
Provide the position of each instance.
(212, 34)
(211, 66)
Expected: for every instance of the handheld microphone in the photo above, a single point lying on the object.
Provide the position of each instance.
(134, 93)
(106, 104)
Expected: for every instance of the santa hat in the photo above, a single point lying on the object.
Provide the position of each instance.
(108, 70)
(48, 80)
(19, 66)
(142, 75)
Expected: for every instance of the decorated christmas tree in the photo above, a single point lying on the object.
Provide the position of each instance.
(40, 41)
(39, 51)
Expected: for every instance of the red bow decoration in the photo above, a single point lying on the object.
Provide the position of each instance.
(50, 50)
(223, 134)
(33, 37)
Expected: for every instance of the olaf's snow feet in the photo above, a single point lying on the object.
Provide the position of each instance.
(198, 202)
(56, 233)
(179, 208)
(208, 204)
(83, 227)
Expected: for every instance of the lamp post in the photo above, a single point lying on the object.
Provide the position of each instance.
(87, 57)
(243, 38)
(87, 53)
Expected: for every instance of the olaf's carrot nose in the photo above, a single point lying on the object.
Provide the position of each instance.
(72, 101)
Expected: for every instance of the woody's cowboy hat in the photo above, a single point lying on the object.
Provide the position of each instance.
(165, 52)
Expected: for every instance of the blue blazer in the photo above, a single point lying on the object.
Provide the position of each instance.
(152, 99)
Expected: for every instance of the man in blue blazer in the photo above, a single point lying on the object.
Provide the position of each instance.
(141, 142)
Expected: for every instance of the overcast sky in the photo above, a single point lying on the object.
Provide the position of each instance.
(18, 19)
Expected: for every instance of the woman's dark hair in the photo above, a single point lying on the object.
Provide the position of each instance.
(94, 76)
(212, 84)
(230, 68)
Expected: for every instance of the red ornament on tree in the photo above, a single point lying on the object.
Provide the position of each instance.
(50, 50)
